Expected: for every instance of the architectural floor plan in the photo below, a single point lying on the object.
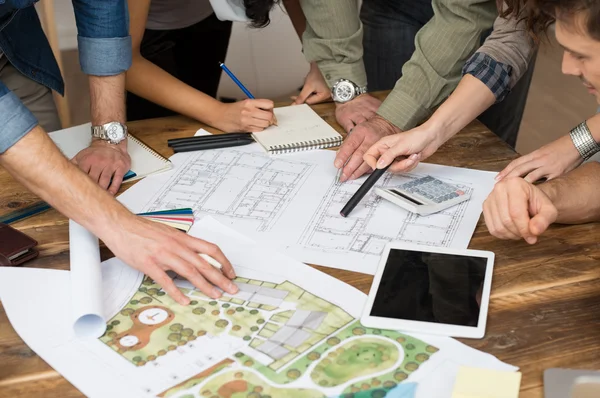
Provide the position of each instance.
(235, 184)
(293, 202)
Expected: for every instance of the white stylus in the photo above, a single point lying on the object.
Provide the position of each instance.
(211, 261)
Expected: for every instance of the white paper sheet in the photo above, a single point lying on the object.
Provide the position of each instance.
(86, 283)
(34, 300)
(293, 201)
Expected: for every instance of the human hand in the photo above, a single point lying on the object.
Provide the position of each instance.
(104, 162)
(404, 150)
(350, 155)
(154, 248)
(518, 209)
(550, 161)
(356, 111)
(249, 115)
(315, 88)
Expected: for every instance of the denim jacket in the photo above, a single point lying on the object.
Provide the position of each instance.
(104, 50)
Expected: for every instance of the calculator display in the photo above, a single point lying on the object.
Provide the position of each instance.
(406, 197)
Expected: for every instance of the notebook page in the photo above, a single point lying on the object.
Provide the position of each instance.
(143, 161)
(297, 125)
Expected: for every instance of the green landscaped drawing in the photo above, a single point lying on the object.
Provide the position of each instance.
(292, 337)
(353, 360)
(244, 384)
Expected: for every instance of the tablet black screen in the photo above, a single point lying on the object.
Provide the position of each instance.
(431, 287)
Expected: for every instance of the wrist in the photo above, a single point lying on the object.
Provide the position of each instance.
(584, 141)
(549, 189)
(214, 114)
(384, 125)
(98, 142)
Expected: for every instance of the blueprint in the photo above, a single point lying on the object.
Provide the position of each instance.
(236, 184)
(293, 201)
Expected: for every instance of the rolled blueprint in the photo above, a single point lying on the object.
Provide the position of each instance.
(86, 283)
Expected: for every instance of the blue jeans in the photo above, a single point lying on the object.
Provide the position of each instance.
(390, 27)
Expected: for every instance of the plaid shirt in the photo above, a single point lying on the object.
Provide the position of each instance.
(495, 75)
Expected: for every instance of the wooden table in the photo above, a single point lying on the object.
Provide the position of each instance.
(545, 303)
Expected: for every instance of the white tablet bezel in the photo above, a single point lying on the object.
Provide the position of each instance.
(428, 327)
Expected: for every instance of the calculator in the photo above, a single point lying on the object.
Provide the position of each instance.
(425, 195)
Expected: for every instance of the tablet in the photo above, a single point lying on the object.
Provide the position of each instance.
(431, 290)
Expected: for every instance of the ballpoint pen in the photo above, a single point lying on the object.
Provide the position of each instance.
(363, 190)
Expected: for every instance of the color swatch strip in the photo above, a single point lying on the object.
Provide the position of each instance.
(181, 219)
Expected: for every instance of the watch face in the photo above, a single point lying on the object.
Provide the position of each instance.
(344, 91)
(114, 132)
(153, 316)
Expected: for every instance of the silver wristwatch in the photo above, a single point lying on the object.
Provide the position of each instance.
(113, 132)
(345, 90)
(584, 141)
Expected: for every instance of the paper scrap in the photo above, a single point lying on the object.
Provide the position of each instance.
(201, 133)
(486, 383)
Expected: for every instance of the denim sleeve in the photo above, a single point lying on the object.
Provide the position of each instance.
(103, 36)
(15, 120)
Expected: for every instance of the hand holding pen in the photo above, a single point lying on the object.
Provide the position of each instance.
(268, 107)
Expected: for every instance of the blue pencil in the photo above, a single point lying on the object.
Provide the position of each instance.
(236, 80)
(241, 86)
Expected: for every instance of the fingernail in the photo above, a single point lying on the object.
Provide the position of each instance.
(337, 164)
(497, 177)
(414, 156)
(343, 177)
(186, 301)
(409, 162)
(216, 293)
(233, 289)
(380, 163)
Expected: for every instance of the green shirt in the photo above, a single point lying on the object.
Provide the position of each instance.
(333, 38)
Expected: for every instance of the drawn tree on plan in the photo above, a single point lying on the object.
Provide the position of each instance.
(151, 294)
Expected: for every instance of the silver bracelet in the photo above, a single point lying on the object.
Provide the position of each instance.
(584, 141)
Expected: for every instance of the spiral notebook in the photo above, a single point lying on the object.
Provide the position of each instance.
(144, 160)
(299, 129)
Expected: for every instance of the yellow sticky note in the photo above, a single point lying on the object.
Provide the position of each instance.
(485, 383)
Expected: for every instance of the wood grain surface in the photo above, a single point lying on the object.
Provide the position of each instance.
(545, 302)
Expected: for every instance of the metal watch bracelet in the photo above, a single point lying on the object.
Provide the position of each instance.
(584, 141)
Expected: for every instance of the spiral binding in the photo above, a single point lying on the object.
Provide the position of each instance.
(147, 148)
(306, 145)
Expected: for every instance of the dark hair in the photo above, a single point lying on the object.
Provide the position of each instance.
(258, 11)
(540, 14)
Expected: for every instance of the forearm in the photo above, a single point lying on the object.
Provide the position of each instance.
(333, 39)
(466, 103)
(296, 16)
(52, 177)
(107, 99)
(156, 85)
(441, 48)
(593, 124)
(576, 195)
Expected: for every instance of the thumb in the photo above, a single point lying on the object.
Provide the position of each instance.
(544, 215)
(304, 94)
